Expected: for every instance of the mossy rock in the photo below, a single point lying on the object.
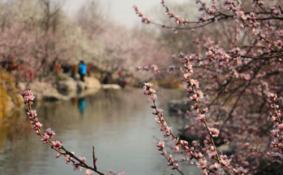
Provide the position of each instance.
(3, 102)
(270, 168)
(9, 94)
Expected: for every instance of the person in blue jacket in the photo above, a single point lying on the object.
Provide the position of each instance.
(82, 70)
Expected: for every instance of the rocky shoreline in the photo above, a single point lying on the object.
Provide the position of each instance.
(64, 89)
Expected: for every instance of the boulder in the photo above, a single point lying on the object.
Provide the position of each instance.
(269, 167)
(67, 87)
(45, 91)
(89, 87)
(178, 107)
(92, 83)
(226, 149)
(111, 86)
(70, 87)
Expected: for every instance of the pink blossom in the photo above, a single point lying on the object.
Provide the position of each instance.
(28, 96)
(177, 148)
(280, 126)
(37, 125)
(45, 138)
(50, 132)
(160, 145)
(67, 159)
(56, 144)
(214, 132)
(224, 160)
(58, 155)
(88, 172)
(32, 114)
(202, 163)
(175, 166)
(83, 159)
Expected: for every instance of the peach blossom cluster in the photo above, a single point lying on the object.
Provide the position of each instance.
(144, 19)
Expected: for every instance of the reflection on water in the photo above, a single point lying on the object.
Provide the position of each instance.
(82, 105)
(119, 124)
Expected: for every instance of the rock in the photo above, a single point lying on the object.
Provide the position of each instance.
(178, 107)
(70, 87)
(226, 149)
(45, 91)
(67, 87)
(89, 87)
(269, 167)
(92, 83)
(111, 86)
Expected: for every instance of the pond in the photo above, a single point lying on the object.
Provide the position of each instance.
(118, 123)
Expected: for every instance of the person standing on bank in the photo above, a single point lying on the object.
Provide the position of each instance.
(82, 70)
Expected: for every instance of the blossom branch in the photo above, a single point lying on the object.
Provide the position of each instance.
(48, 137)
(212, 13)
(195, 94)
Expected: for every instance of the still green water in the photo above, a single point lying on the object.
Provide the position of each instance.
(118, 123)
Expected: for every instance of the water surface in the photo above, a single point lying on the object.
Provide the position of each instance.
(118, 123)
